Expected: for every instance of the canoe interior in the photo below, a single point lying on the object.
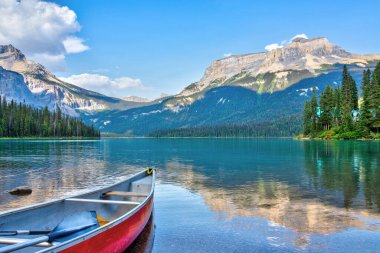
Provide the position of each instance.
(47, 215)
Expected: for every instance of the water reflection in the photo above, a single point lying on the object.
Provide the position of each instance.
(308, 187)
(339, 190)
(281, 203)
(350, 170)
(53, 169)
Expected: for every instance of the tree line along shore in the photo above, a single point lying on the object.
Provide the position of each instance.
(340, 114)
(18, 120)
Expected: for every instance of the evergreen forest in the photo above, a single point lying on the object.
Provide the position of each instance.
(22, 120)
(339, 113)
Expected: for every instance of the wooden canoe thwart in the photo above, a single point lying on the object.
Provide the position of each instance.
(125, 194)
(113, 202)
(103, 220)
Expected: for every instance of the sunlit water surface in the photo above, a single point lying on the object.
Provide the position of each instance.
(220, 195)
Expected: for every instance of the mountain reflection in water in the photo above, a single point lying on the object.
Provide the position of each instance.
(340, 190)
(306, 187)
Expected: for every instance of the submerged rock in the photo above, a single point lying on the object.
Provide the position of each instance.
(21, 190)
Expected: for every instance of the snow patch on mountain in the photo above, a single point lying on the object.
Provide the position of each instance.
(222, 101)
(305, 92)
(151, 112)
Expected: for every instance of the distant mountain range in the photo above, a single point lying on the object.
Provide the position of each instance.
(246, 90)
(236, 90)
(136, 99)
(47, 89)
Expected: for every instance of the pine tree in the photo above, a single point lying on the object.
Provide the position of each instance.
(349, 98)
(345, 96)
(365, 113)
(314, 113)
(307, 118)
(337, 107)
(375, 97)
(354, 91)
(327, 103)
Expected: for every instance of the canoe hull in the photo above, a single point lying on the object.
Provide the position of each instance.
(117, 238)
(126, 216)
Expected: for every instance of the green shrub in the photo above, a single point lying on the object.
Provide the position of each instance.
(375, 136)
(327, 135)
(348, 135)
(337, 130)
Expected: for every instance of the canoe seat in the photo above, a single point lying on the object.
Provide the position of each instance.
(100, 201)
(125, 194)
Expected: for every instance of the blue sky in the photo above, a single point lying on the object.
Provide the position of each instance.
(162, 46)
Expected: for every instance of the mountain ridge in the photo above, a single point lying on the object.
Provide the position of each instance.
(306, 55)
(53, 92)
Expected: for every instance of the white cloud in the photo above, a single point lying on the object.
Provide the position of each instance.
(227, 55)
(115, 87)
(273, 46)
(299, 36)
(51, 61)
(40, 28)
(74, 45)
(283, 43)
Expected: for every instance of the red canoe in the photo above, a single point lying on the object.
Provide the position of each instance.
(121, 212)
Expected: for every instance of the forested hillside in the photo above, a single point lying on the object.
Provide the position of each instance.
(340, 114)
(21, 120)
(287, 126)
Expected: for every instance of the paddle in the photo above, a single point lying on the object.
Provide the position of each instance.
(24, 232)
(70, 227)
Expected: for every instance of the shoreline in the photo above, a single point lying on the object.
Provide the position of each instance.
(50, 138)
(148, 137)
(332, 139)
(258, 137)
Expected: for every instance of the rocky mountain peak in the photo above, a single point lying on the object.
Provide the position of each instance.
(10, 51)
(299, 39)
(322, 40)
(13, 59)
(278, 68)
(51, 91)
(317, 47)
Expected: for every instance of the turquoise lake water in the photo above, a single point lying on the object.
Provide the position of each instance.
(220, 195)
